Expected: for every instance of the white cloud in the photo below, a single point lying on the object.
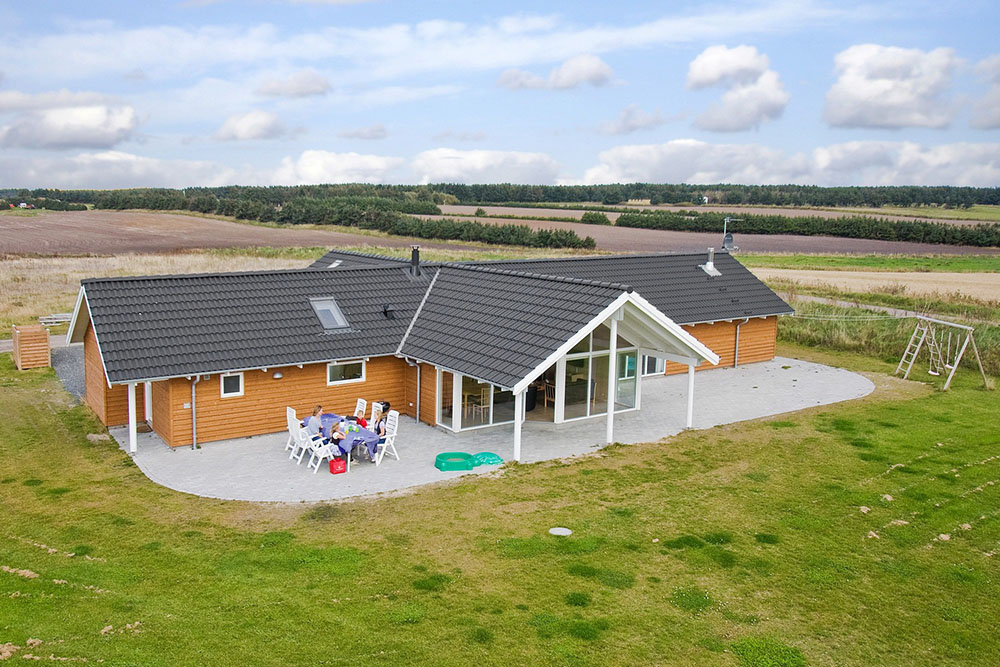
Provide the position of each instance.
(986, 112)
(484, 166)
(459, 135)
(754, 92)
(13, 100)
(577, 70)
(371, 132)
(315, 166)
(252, 125)
(113, 169)
(97, 126)
(386, 51)
(891, 87)
(521, 23)
(633, 118)
(852, 163)
(720, 64)
(304, 83)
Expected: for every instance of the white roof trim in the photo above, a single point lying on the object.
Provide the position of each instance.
(693, 343)
(563, 349)
(83, 297)
(71, 335)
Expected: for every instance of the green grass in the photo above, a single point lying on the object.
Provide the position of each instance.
(919, 263)
(982, 212)
(466, 573)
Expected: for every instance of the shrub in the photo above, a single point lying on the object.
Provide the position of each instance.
(595, 218)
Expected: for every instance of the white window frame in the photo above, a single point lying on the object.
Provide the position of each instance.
(659, 368)
(344, 362)
(222, 385)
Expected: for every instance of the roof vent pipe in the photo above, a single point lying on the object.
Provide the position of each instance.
(709, 266)
(415, 260)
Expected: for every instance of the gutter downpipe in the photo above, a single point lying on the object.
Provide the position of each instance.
(736, 352)
(194, 414)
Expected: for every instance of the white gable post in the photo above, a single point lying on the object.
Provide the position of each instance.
(690, 412)
(518, 418)
(613, 374)
(131, 418)
(147, 395)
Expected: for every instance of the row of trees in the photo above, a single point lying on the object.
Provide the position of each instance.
(609, 194)
(50, 204)
(858, 227)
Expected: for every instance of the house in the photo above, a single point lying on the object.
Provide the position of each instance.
(457, 345)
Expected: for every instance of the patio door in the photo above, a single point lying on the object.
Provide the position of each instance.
(446, 399)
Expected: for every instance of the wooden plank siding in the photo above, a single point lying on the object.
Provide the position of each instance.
(757, 340)
(261, 408)
(30, 347)
(428, 394)
(162, 421)
(110, 403)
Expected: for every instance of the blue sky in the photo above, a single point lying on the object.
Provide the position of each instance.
(202, 92)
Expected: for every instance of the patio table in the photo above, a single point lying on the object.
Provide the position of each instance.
(356, 439)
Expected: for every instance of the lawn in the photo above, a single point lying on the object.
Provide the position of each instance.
(864, 533)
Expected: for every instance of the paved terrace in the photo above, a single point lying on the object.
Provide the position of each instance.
(257, 468)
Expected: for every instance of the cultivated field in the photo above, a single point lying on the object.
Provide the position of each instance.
(974, 216)
(115, 232)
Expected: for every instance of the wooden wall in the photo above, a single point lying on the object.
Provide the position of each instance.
(428, 394)
(30, 347)
(757, 340)
(110, 403)
(261, 408)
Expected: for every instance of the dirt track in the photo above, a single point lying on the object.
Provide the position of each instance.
(984, 286)
(114, 232)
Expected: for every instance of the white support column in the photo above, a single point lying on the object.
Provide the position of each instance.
(131, 418)
(690, 411)
(147, 396)
(612, 377)
(518, 418)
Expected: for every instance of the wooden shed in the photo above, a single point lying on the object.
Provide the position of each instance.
(31, 347)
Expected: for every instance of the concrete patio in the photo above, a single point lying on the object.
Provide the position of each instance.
(257, 468)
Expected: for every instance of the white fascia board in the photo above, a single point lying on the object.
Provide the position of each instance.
(669, 357)
(696, 346)
(97, 339)
(568, 345)
(71, 334)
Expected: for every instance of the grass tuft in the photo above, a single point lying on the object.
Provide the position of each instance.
(766, 538)
(577, 599)
(767, 652)
(691, 599)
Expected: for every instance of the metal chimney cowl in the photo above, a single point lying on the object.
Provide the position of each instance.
(709, 266)
(415, 260)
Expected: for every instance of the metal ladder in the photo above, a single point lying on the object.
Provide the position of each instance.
(913, 348)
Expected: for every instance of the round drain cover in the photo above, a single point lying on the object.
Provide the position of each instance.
(559, 530)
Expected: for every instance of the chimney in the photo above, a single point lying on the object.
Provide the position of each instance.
(415, 260)
(709, 266)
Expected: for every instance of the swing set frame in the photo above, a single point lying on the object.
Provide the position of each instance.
(926, 330)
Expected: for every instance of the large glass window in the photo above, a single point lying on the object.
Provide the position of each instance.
(475, 402)
(625, 391)
(503, 406)
(342, 372)
(602, 338)
(599, 384)
(577, 388)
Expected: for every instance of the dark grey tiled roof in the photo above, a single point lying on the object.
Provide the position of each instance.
(355, 260)
(671, 282)
(498, 325)
(164, 326)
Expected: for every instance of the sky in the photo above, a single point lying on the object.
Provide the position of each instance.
(282, 92)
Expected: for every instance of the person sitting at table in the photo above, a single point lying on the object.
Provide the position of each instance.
(380, 425)
(314, 427)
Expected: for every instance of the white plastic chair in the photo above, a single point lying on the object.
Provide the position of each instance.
(301, 442)
(359, 409)
(376, 413)
(291, 421)
(318, 451)
(391, 426)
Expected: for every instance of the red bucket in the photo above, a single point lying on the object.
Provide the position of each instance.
(337, 466)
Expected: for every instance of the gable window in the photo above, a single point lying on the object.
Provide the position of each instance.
(329, 313)
(342, 372)
(231, 384)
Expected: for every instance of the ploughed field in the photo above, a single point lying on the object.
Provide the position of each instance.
(982, 286)
(114, 232)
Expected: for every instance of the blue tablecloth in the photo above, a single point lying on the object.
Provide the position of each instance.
(355, 439)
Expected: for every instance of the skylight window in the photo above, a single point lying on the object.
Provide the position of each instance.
(329, 313)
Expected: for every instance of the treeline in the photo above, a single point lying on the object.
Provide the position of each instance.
(608, 194)
(50, 204)
(858, 227)
(773, 195)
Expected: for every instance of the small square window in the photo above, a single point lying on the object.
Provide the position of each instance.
(231, 384)
(341, 372)
(329, 313)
